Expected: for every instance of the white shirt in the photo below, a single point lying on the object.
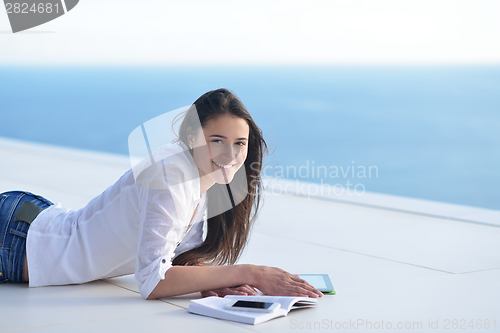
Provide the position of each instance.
(133, 226)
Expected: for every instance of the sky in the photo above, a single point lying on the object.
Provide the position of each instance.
(319, 32)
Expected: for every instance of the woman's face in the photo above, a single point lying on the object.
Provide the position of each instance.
(220, 148)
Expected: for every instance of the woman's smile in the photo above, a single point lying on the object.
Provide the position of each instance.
(224, 167)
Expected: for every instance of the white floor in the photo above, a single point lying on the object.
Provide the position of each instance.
(395, 262)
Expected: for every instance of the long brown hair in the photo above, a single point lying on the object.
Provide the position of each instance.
(228, 232)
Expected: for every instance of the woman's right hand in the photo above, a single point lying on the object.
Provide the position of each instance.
(277, 282)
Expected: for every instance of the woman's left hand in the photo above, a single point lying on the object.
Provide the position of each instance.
(240, 290)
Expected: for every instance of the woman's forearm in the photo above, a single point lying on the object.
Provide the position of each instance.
(181, 280)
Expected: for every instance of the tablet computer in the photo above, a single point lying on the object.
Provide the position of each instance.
(321, 282)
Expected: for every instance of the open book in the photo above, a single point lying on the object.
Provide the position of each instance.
(215, 307)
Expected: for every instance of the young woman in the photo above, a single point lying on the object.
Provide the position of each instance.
(151, 220)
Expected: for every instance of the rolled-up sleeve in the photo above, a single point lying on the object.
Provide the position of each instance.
(163, 225)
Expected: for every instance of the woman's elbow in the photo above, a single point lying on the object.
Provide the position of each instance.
(155, 294)
(150, 297)
(161, 290)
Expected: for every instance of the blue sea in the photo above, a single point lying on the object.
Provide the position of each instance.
(429, 132)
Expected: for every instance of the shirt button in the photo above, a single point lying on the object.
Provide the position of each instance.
(163, 261)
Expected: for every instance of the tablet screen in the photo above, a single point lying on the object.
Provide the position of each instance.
(319, 281)
(316, 281)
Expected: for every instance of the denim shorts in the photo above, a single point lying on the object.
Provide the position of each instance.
(13, 232)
